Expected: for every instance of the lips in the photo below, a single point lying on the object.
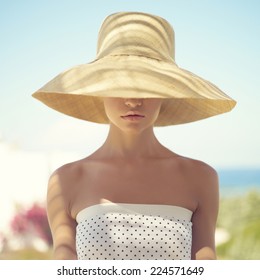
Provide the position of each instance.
(133, 116)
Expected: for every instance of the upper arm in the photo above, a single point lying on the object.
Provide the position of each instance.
(62, 225)
(205, 217)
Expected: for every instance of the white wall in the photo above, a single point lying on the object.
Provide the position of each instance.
(23, 178)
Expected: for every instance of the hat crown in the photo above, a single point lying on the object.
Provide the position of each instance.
(135, 59)
(140, 34)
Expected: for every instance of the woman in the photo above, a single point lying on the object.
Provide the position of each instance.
(133, 198)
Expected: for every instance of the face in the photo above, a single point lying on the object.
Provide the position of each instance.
(132, 114)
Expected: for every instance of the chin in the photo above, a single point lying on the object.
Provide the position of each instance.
(136, 129)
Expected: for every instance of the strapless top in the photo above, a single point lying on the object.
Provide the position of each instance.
(121, 231)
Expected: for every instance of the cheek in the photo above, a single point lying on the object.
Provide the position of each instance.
(109, 105)
(112, 108)
(109, 112)
(155, 106)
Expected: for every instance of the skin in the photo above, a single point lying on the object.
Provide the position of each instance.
(100, 178)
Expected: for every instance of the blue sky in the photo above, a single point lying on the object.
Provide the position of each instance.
(218, 40)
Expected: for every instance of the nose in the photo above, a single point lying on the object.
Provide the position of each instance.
(133, 102)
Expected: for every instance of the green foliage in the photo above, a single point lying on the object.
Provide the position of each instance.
(240, 216)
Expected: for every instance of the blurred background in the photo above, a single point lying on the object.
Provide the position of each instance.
(218, 40)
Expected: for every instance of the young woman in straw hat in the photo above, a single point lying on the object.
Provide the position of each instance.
(133, 198)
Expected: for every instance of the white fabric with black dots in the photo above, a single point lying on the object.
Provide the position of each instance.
(119, 231)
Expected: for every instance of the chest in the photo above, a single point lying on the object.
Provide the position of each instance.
(135, 176)
(154, 182)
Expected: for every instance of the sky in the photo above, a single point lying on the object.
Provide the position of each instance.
(218, 40)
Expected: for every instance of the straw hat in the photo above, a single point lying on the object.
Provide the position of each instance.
(135, 59)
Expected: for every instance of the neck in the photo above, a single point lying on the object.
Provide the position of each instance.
(131, 145)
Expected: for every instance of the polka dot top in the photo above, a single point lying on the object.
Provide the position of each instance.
(110, 231)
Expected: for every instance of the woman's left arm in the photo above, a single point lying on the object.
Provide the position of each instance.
(205, 217)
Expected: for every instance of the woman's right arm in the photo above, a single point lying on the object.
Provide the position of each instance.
(63, 226)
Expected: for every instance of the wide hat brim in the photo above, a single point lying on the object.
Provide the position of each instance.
(78, 91)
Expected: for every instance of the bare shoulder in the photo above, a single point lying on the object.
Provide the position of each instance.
(206, 177)
(198, 171)
(67, 173)
(201, 179)
(62, 183)
(66, 170)
(205, 188)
